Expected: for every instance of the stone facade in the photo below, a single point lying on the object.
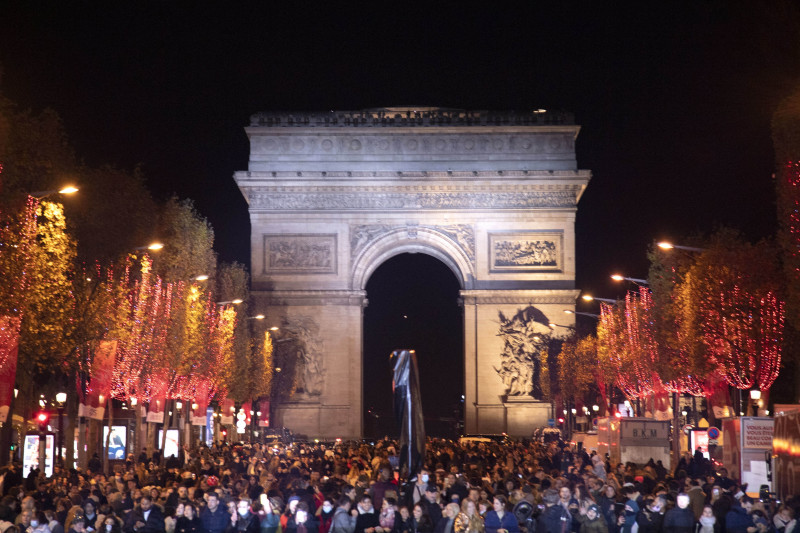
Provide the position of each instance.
(492, 195)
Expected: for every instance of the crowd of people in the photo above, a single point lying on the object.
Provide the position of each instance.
(353, 487)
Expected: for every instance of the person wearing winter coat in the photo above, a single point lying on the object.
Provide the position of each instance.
(190, 521)
(591, 520)
(244, 520)
(554, 518)
(650, 518)
(344, 521)
(707, 521)
(739, 519)
(680, 519)
(499, 520)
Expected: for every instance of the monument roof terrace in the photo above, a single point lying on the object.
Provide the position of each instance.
(410, 117)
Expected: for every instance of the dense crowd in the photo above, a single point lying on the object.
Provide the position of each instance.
(352, 487)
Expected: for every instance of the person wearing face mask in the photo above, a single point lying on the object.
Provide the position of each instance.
(38, 523)
(651, 517)
(325, 515)
(706, 521)
(418, 492)
(110, 525)
(302, 521)
(243, 521)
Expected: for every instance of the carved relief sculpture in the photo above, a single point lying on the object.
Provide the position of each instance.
(524, 338)
(300, 254)
(301, 337)
(526, 252)
(462, 235)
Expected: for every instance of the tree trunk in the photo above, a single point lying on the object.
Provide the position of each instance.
(108, 436)
(676, 433)
(6, 434)
(166, 425)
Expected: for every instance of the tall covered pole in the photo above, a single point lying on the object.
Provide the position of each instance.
(408, 413)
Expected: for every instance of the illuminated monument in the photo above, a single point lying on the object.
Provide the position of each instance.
(492, 195)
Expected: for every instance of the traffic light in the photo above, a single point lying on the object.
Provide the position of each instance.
(561, 421)
(42, 419)
(224, 434)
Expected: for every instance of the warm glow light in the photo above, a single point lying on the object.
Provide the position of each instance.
(259, 317)
(617, 277)
(755, 394)
(201, 277)
(134, 401)
(569, 311)
(587, 297)
(664, 245)
(69, 189)
(61, 397)
(155, 246)
(236, 301)
(274, 328)
(179, 404)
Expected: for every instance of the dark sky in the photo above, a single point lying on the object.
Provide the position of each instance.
(674, 98)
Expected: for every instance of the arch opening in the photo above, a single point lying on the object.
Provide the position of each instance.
(413, 303)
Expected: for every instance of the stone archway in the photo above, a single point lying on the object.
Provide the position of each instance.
(414, 301)
(377, 243)
(492, 195)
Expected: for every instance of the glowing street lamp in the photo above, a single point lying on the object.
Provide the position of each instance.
(664, 245)
(620, 277)
(235, 301)
(153, 247)
(69, 189)
(590, 298)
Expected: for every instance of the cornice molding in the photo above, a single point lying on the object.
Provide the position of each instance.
(520, 297)
(320, 297)
(416, 116)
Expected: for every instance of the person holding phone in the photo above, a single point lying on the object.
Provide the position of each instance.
(243, 520)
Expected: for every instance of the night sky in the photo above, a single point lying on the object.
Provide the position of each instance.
(674, 100)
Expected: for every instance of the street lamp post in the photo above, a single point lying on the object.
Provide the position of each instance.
(664, 245)
(61, 400)
(590, 298)
(69, 189)
(637, 281)
(755, 396)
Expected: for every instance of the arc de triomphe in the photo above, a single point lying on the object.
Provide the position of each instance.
(492, 195)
